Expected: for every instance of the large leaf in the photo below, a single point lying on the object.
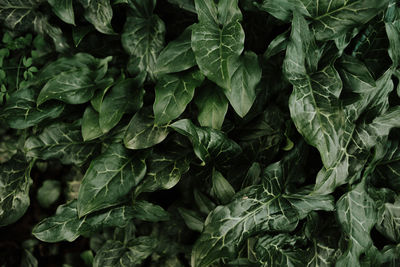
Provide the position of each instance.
(142, 132)
(65, 225)
(21, 111)
(61, 141)
(117, 254)
(143, 38)
(173, 93)
(109, 179)
(357, 215)
(125, 96)
(18, 14)
(14, 189)
(257, 208)
(73, 80)
(208, 144)
(177, 55)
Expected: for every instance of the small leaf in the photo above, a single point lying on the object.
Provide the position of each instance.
(49, 193)
(90, 124)
(192, 220)
(109, 179)
(142, 132)
(212, 105)
(149, 212)
(221, 188)
(99, 13)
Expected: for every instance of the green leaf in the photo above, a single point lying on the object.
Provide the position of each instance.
(125, 96)
(212, 105)
(90, 124)
(61, 141)
(387, 170)
(14, 189)
(245, 74)
(65, 225)
(208, 144)
(49, 193)
(73, 80)
(21, 112)
(173, 93)
(255, 209)
(109, 179)
(388, 222)
(149, 212)
(99, 13)
(64, 10)
(221, 189)
(17, 14)
(79, 32)
(117, 254)
(192, 220)
(177, 55)
(393, 33)
(142, 132)
(164, 170)
(281, 250)
(143, 39)
(187, 5)
(357, 215)
(332, 18)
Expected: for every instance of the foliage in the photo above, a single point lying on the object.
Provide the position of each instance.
(199, 132)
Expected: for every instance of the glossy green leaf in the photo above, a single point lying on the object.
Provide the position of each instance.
(109, 179)
(117, 254)
(142, 131)
(283, 9)
(143, 39)
(393, 33)
(73, 80)
(61, 141)
(357, 215)
(21, 112)
(64, 10)
(221, 189)
(65, 225)
(177, 55)
(173, 93)
(99, 13)
(212, 105)
(185, 4)
(164, 171)
(256, 208)
(192, 220)
(387, 170)
(149, 212)
(208, 144)
(14, 189)
(125, 96)
(90, 124)
(79, 33)
(389, 221)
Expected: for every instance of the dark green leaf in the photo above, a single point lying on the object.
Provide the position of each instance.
(90, 124)
(14, 189)
(208, 144)
(149, 212)
(177, 55)
(21, 111)
(64, 10)
(173, 93)
(18, 14)
(142, 131)
(99, 13)
(117, 254)
(49, 193)
(60, 141)
(125, 96)
(221, 189)
(192, 220)
(212, 105)
(109, 179)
